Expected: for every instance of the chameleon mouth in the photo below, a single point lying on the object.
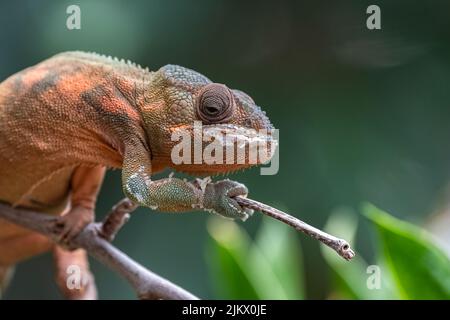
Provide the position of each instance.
(243, 140)
(225, 148)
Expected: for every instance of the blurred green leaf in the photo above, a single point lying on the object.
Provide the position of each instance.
(279, 245)
(351, 276)
(269, 268)
(226, 256)
(419, 268)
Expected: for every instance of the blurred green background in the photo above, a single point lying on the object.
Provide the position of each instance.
(363, 115)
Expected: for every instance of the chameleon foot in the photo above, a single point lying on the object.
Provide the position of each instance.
(72, 223)
(218, 198)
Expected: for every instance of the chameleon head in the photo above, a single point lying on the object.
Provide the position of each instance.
(203, 127)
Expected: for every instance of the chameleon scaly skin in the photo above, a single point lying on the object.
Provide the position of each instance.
(66, 119)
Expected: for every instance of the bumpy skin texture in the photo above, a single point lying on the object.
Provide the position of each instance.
(66, 120)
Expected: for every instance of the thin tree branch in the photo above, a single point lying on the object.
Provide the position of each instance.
(339, 245)
(147, 284)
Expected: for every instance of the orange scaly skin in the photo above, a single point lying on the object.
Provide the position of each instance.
(67, 119)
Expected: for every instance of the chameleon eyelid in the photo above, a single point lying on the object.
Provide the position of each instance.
(215, 96)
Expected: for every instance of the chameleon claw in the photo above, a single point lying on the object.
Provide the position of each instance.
(219, 198)
(71, 224)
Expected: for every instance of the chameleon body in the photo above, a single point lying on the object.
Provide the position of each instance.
(66, 120)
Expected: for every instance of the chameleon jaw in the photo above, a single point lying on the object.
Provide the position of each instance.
(225, 148)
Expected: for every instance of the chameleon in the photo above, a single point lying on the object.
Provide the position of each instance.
(68, 119)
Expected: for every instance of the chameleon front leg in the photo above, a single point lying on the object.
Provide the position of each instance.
(177, 195)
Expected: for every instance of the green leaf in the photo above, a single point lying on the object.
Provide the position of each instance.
(351, 276)
(279, 245)
(226, 256)
(420, 269)
(268, 268)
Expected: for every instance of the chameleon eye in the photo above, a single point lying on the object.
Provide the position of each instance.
(215, 103)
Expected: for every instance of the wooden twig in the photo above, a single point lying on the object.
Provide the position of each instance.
(339, 245)
(96, 237)
(147, 284)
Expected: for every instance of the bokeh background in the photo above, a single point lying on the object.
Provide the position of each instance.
(363, 115)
